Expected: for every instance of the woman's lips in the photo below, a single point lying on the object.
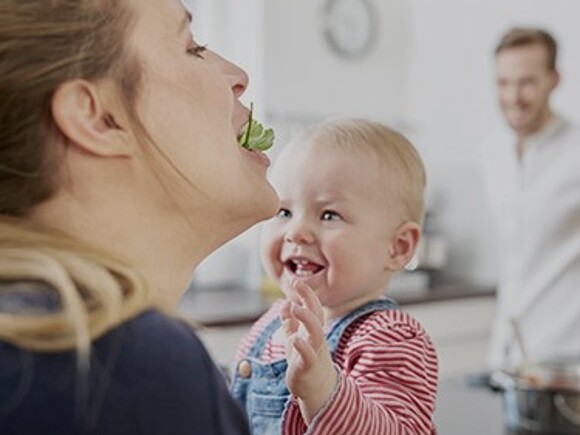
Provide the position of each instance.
(260, 157)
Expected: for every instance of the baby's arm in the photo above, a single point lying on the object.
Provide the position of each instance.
(311, 376)
(387, 384)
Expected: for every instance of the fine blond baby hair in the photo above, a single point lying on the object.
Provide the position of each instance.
(406, 177)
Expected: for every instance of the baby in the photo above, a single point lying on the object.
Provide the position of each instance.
(337, 356)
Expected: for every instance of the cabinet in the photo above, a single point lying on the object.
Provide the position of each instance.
(460, 330)
(222, 341)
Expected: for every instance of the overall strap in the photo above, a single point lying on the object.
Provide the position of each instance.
(258, 346)
(339, 326)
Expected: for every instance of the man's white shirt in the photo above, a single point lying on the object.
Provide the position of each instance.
(535, 201)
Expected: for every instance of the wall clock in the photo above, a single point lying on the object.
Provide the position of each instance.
(350, 27)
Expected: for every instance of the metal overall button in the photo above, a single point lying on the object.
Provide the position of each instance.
(244, 369)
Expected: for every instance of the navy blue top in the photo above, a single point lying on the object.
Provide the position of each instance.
(151, 375)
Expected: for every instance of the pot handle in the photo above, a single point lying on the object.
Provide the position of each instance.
(565, 409)
(501, 381)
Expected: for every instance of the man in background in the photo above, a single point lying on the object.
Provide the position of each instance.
(532, 173)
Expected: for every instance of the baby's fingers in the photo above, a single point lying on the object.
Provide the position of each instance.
(309, 299)
(307, 354)
(310, 323)
(289, 321)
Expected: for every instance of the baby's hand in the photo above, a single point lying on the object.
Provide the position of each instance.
(311, 375)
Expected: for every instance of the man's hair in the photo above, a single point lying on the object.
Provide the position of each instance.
(523, 36)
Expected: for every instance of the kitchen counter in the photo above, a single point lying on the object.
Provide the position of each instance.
(227, 306)
(464, 409)
(467, 410)
(461, 409)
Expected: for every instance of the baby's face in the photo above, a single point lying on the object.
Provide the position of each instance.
(335, 226)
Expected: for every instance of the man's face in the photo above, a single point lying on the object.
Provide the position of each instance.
(524, 84)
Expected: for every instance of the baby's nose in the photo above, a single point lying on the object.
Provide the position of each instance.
(299, 233)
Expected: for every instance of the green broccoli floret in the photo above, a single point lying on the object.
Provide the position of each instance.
(254, 136)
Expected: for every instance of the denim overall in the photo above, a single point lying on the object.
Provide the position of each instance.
(260, 387)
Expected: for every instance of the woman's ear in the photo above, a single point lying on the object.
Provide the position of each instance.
(403, 245)
(81, 117)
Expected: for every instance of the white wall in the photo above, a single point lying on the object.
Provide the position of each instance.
(452, 104)
(447, 99)
(306, 79)
(235, 30)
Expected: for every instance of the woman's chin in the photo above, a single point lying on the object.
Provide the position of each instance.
(263, 206)
(266, 203)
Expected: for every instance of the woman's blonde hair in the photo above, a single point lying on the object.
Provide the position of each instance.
(392, 149)
(42, 45)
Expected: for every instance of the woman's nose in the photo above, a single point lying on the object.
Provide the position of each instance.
(241, 81)
(237, 77)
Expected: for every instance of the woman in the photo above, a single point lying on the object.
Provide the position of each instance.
(119, 172)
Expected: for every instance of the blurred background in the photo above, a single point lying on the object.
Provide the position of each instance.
(423, 66)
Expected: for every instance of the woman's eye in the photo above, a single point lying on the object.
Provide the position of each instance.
(284, 213)
(330, 215)
(195, 49)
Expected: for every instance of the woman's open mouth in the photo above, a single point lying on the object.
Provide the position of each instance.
(254, 136)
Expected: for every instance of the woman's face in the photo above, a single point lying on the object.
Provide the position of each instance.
(189, 105)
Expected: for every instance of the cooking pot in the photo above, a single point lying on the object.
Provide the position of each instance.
(541, 398)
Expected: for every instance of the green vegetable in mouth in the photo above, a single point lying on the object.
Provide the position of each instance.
(254, 136)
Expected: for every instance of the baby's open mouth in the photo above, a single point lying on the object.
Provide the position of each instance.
(302, 267)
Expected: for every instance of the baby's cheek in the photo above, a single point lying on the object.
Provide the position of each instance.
(267, 250)
(278, 268)
(271, 260)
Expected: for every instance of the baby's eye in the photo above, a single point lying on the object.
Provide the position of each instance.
(284, 213)
(330, 215)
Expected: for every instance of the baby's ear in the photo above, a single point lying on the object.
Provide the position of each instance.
(81, 116)
(403, 245)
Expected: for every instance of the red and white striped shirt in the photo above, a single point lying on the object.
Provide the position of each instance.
(388, 378)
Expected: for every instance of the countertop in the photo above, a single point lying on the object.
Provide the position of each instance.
(231, 305)
(464, 409)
